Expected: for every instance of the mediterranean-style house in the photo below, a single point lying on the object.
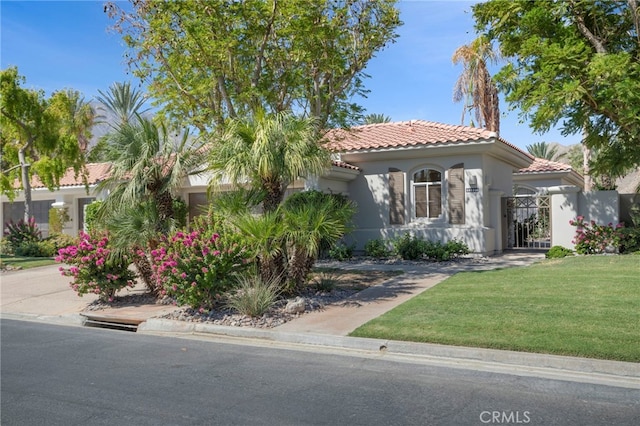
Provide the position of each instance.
(433, 180)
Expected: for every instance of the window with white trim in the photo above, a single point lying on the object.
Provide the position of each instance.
(426, 187)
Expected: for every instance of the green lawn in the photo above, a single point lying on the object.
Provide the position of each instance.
(586, 306)
(25, 262)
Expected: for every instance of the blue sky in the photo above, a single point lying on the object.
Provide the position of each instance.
(65, 44)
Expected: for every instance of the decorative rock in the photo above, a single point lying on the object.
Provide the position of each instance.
(296, 306)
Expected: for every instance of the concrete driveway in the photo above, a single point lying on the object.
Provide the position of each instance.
(41, 291)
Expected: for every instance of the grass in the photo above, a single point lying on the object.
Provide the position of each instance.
(586, 306)
(24, 262)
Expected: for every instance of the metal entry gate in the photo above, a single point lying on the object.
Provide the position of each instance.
(528, 221)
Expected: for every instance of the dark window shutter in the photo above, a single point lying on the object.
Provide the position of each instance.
(456, 194)
(396, 197)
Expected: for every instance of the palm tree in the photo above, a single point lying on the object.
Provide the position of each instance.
(264, 235)
(376, 118)
(122, 102)
(545, 151)
(268, 152)
(312, 221)
(78, 117)
(147, 172)
(148, 164)
(475, 85)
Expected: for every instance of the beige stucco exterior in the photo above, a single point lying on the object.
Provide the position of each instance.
(488, 175)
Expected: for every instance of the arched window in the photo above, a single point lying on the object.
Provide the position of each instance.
(427, 193)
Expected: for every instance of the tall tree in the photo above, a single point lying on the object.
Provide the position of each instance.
(121, 103)
(268, 152)
(574, 62)
(475, 87)
(39, 136)
(209, 61)
(544, 150)
(148, 169)
(148, 164)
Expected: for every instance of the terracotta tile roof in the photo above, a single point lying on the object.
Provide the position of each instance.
(404, 134)
(95, 173)
(540, 165)
(344, 165)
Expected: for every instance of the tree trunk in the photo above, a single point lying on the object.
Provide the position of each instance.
(586, 156)
(26, 182)
(164, 201)
(146, 274)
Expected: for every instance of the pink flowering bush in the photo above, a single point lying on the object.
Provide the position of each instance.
(196, 267)
(95, 268)
(592, 238)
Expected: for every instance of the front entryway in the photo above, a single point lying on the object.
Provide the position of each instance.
(528, 220)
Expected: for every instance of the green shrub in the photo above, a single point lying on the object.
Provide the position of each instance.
(33, 249)
(51, 245)
(5, 246)
(629, 240)
(341, 251)
(21, 232)
(457, 248)
(414, 248)
(557, 252)
(376, 248)
(253, 297)
(409, 247)
(445, 251)
(91, 216)
(57, 219)
(180, 212)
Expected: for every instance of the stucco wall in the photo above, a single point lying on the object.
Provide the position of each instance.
(370, 190)
(568, 202)
(67, 197)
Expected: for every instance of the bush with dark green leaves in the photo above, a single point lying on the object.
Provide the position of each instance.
(409, 247)
(413, 248)
(629, 239)
(436, 250)
(557, 252)
(341, 251)
(33, 249)
(376, 248)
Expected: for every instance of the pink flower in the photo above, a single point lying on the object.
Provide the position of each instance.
(204, 270)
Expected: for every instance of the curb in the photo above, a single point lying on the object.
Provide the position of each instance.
(586, 370)
(68, 319)
(555, 367)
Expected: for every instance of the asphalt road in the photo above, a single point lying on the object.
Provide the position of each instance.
(56, 375)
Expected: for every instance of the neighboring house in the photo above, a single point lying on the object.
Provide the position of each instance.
(73, 195)
(436, 181)
(542, 174)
